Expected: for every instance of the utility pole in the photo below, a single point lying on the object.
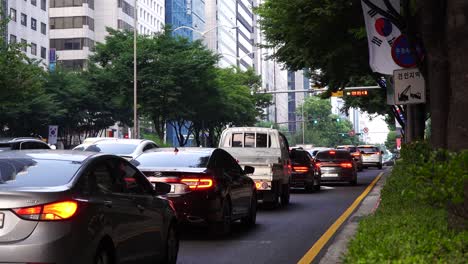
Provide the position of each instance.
(135, 101)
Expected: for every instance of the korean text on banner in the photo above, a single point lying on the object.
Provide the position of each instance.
(381, 33)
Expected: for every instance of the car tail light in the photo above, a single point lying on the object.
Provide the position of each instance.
(318, 164)
(300, 168)
(48, 212)
(356, 154)
(198, 183)
(332, 152)
(346, 165)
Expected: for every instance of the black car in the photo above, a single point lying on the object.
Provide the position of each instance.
(208, 185)
(82, 207)
(304, 172)
(336, 165)
(22, 143)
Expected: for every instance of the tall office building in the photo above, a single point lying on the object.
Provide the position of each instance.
(186, 17)
(28, 25)
(246, 33)
(77, 25)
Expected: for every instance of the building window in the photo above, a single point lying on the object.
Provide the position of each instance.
(44, 5)
(124, 25)
(70, 3)
(12, 39)
(43, 28)
(126, 8)
(71, 44)
(13, 14)
(73, 64)
(33, 24)
(24, 45)
(24, 20)
(43, 53)
(71, 22)
(33, 48)
(34, 2)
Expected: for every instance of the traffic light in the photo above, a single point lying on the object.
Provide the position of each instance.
(357, 93)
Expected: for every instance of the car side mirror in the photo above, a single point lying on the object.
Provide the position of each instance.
(249, 170)
(161, 188)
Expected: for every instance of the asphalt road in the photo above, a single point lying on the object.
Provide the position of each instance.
(281, 235)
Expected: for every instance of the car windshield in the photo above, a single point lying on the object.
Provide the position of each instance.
(368, 149)
(26, 172)
(333, 156)
(114, 148)
(173, 160)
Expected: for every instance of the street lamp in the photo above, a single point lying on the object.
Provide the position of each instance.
(203, 33)
(238, 59)
(135, 35)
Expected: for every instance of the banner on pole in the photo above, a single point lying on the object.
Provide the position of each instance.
(381, 33)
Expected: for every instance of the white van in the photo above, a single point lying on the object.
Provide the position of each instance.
(267, 150)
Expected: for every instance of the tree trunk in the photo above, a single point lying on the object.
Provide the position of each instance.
(433, 21)
(457, 41)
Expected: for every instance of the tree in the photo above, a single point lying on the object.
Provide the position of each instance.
(25, 106)
(330, 36)
(390, 143)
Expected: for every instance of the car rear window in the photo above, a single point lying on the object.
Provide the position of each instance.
(350, 149)
(250, 140)
(299, 157)
(173, 160)
(329, 156)
(114, 148)
(369, 149)
(24, 172)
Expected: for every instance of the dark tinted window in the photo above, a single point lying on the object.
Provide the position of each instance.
(350, 149)
(173, 159)
(369, 149)
(133, 181)
(5, 146)
(24, 172)
(114, 148)
(329, 156)
(298, 156)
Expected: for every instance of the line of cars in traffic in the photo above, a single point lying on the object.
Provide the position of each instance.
(122, 200)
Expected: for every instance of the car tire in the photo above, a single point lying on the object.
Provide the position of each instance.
(354, 180)
(172, 246)
(309, 187)
(285, 195)
(103, 256)
(379, 166)
(223, 227)
(250, 219)
(317, 185)
(360, 168)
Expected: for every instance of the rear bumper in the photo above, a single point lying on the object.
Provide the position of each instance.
(372, 163)
(300, 180)
(197, 208)
(341, 175)
(50, 242)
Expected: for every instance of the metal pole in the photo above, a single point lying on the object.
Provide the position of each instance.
(135, 35)
(303, 123)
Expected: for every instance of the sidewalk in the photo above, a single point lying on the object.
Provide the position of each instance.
(339, 244)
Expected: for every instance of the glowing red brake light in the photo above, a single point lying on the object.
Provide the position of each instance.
(332, 152)
(317, 165)
(49, 212)
(356, 154)
(346, 165)
(300, 168)
(198, 183)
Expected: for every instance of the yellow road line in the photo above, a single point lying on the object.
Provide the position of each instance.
(315, 249)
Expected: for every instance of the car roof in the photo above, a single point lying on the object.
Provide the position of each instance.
(122, 141)
(206, 151)
(20, 139)
(367, 146)
(252, 129)
(345, 146)
(48, 154)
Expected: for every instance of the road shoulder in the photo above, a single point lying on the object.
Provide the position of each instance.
(339, 244)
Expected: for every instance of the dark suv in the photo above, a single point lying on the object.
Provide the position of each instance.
(22, 143)
(304, 172)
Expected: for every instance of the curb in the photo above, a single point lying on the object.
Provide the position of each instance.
(369, 205)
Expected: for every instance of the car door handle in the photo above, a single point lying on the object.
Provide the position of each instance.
(141, 208)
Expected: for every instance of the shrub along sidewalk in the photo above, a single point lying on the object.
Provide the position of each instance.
(422, 217)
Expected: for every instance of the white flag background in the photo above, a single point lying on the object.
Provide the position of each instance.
(380, 34)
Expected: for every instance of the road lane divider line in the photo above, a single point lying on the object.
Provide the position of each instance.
(317, 247)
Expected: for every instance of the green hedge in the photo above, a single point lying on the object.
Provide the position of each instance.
(411, 224)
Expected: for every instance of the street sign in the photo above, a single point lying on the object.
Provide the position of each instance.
(53, 131)
(365, 130)
(409, 87)
(402, 55)
(351, 133)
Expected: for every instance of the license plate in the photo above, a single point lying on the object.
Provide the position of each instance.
(2, 219)
(330, 175)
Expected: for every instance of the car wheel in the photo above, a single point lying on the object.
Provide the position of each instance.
(172, 246)
(360, 168)
(317, 184)
(354, 181)
(309, 187)
(102, 256)
(223, 227)
(285, 195)
(379, 166)
(250, 219)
